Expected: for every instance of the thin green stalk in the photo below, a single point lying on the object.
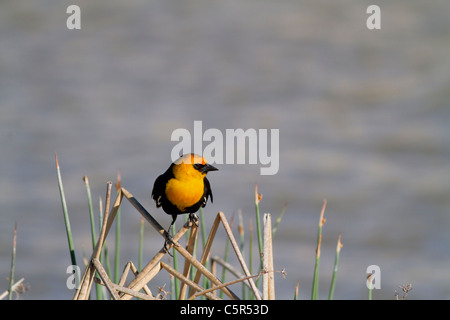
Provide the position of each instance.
(241, 247)
(13, 263)
(141, 244)
(91, 211)
(336, 263)
(315, 287)
(206, 282)
(250, 255)
(175, 266)
(101, 258)
(98, 287)
(258, 198)
(66, 215)
(277, 222)
(369, 282)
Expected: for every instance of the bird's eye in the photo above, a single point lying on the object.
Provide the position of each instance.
(198, 166)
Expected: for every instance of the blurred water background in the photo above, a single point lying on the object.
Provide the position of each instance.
(363, 117)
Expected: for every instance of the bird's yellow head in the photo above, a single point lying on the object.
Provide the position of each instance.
(191, 166)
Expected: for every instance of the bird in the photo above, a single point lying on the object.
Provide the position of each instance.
(183, 188)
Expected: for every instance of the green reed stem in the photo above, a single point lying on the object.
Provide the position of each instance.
(206, 281)
(250, 255)
(98, 287)
(336, 263)
(175, 266)
(315, 287)
(241, 247)
(277, 222)
(258, 198)
(91, 211)
(13, 264)
(66, 215)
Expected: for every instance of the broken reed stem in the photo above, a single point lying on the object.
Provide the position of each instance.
(335, 269)
(315, 287)
(268, 279)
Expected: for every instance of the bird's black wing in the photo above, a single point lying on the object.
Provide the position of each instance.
(159, 187)
(207, 192)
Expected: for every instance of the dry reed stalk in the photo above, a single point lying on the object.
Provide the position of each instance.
(187, 264)
(106, 281)
(152, 268)
(203, 270)
(183, 279)
(87, 280)
(207, 248)
(115, 288)
(238, 254)
(217, 260)
(130, 266)
(213, 288)
(144, 213)
(268, 278)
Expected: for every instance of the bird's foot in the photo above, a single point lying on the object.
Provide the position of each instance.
(194, 219)
(169, 240)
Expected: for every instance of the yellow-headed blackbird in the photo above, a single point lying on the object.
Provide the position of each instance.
(183, 188)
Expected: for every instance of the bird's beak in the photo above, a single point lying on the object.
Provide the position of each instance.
(207, 168)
